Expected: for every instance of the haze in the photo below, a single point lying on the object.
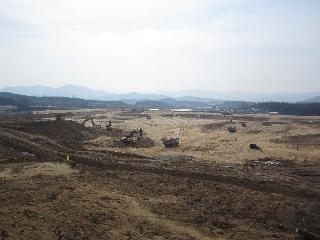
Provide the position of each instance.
(148, 46)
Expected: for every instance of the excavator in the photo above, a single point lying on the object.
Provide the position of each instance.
(92, 122)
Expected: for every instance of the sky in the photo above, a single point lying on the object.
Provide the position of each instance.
(150, 46)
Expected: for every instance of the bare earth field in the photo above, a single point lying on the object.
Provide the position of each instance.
(66, 180)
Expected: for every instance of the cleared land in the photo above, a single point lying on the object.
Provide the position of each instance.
(66, 180)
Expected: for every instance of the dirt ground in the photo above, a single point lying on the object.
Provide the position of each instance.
(66, 180)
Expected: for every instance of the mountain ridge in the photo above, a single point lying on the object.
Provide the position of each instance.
(184, 95)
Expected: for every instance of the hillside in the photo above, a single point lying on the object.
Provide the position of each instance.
(23, 102)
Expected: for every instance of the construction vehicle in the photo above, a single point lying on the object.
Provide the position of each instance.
(109, 125)
(255, 147)
(232, 129)
(92, 122)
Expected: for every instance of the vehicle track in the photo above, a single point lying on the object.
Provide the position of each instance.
(266, 186)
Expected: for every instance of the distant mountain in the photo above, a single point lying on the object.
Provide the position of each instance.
(79, 92)
(151, 104)
(65, 91)
(236, 105)
(199, 99)
(23, 102)
(172, 103)
(244, 96)
(299, 109)
(314, 99)
(209, 97)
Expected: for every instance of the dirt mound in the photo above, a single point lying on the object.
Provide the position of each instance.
(15, 146)
(144, 142)
(66, 132)
(115, 132)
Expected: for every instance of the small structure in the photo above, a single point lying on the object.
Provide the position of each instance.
(170, 143)
(60, 117)
(273, 113)
(94, 125)
(244, 124)
(140, 132)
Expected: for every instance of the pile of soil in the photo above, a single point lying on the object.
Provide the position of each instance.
(144, 142)
(16, 145)
(115, 132)
(68, 133)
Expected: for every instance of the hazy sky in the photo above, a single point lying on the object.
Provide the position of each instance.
(150, 45)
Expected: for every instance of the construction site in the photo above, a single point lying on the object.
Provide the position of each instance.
(158, 174)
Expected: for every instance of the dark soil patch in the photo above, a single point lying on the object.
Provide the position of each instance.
(304, 140)
(180, 158)
(66, 132)
(214, 126)
(308, 122)
(115, 132)
(19, 145)
(266, 124)
(254, 131)
(144, 142)
(307, 172)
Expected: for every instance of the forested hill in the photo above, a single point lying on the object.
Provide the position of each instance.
(299, 109)
(23, 102)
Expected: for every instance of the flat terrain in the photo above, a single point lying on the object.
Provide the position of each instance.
(66, 180)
